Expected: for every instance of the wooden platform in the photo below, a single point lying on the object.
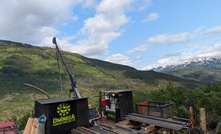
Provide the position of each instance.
(107, 128)
(134, 124)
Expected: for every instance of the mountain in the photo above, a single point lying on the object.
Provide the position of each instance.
(41, 66)
(201, 69)
(199, 63)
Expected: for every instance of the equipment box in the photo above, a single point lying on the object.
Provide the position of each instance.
(122, 99)
(155, 108)
(62, 114)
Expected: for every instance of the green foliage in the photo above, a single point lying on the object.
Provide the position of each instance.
(16, 65)
(208, 98)
(23, 121)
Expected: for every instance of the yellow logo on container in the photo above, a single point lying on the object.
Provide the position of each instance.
(63, 110)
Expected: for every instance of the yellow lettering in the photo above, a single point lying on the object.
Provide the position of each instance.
(63, 120)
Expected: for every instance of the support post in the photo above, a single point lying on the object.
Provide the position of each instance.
(100, 98)
(203, 119)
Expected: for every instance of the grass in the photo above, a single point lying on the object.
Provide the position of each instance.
(22, 63)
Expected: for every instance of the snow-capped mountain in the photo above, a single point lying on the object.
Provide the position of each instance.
(199, 63)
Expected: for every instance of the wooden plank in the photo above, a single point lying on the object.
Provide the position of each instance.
(89, 130)
(117, 131)
(126, 124)
(203, 119)
(34, 129)
(74, 131)
(28, 126)
(31, 126)
(108, 126)
(109, 130)
(149, 128)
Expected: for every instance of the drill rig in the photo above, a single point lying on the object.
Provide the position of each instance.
(74, 89)
(63, 114)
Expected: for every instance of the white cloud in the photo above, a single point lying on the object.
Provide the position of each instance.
(171, 60)
(119, 59)
(137, 60)
(90, 4)
(181, 38)
(100, 30)
(99, 24)
(113, 7)
(141, 48)
(75, 18)
(45, 35)
(174, 38)
(144, 4)
(151, 17)
(158, 39)
(167, 61)
(210, 51)
(138, 57)
(32, 21)
(192, 46)
(214, 30)
(90, 48)
(171, 38)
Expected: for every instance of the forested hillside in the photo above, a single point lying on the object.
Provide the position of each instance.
(40, 66)
(25, 63)
(201, 75)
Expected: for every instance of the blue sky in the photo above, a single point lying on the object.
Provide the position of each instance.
(138, 33)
